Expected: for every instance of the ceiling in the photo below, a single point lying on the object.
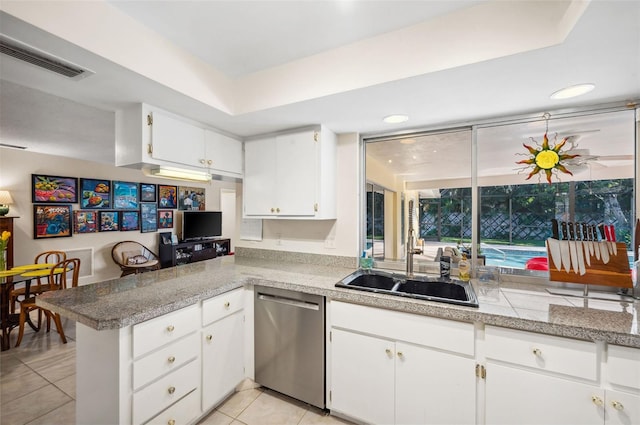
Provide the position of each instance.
(253, 67)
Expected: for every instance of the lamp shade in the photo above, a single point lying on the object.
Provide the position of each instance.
(5, 198)
(5, 201)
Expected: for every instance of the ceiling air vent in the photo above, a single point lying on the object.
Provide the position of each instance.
(26, 53)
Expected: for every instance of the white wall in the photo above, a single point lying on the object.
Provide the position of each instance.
(328, 237)
(16, 167)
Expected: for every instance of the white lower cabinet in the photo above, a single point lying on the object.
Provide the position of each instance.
(222, 358)
(168, 370)
(517, 396)
(362, 376)
(393, 368)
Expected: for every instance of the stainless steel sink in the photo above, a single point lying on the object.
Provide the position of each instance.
(433, 289)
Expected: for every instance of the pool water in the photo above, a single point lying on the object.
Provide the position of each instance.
(516, 258)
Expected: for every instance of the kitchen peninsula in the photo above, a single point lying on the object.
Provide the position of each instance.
(125, 323)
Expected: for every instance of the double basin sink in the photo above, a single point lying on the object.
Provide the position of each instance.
(418, 287)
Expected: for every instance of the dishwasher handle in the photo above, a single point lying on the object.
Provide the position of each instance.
(289, 301)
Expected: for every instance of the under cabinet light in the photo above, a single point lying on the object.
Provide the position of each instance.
(179, 174)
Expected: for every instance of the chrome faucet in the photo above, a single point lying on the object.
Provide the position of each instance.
(411, 250)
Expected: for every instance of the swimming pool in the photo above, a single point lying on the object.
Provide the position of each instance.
(509, 257)
(516, 258)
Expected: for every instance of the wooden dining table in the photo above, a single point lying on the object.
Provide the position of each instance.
(8, 278)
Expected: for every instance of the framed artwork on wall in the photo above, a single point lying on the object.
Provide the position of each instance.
(148, 217)
(96, 194)
(54, 189)
(167, 196)
(165, 219)
(109, 221)
(191, 198)
(85, 221)
(147, 192)
(125, 195)
(129, 220)
(51, 221)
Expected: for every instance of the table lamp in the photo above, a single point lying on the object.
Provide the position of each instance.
(5, 201)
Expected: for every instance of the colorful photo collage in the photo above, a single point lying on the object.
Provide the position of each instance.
(106, 205)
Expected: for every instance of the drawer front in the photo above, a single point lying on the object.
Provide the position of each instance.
(433, 332)
(164, 360)
(624, 366)
(222, 305)
(543, 352)
(156, 397)
(154, 333)
(181, 413)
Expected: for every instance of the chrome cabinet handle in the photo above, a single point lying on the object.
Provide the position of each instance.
(170, 328)
(171, 390)
(596, 400)
(209, 337)
(617, 405)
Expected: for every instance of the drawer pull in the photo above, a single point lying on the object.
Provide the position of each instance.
(209, 337)
(171, 359)
(172, 390)
(537, 352)
(388, 352)
(170, 328)
(227, 304)
(596, 400)
(171, 422)
(400, 354)
(617, 405)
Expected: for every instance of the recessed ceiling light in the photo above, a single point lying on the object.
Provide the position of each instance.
(573, 91)
(395, 119)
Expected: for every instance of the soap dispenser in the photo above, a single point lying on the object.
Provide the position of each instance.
(464, 269)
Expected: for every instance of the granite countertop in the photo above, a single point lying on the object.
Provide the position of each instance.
(126, 301)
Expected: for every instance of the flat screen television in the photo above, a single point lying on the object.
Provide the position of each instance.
(200, 225)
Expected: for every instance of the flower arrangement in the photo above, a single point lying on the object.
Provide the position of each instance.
(4, 241)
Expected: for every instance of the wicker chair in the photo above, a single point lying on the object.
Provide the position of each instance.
(133, 257)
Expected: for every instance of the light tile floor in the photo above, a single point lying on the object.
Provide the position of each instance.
(43, 369)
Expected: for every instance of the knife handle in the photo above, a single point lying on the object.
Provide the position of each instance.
(554, 229)
(612, 233)
(579, 235)
(565, 233)
(585, 232)
(602, 230)
(572, 233)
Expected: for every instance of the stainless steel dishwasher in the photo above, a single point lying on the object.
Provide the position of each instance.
(289, 343)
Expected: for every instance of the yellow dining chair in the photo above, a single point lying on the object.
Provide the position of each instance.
(41, 285)
(63, 275)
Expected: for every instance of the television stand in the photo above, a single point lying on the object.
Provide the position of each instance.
(192, 251)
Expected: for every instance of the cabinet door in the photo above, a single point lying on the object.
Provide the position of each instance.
(259, 183)
(362, 377)
(223, 153)
(622, 408)
(222, 358)
(177, 141)
(434, 387)
(296, 174)
(516, 396)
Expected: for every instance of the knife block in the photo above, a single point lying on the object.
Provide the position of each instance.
(615, 273)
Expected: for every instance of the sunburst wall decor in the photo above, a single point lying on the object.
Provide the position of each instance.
(546, 158)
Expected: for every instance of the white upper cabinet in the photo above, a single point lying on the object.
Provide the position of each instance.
(291, 176)
(149, 136)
